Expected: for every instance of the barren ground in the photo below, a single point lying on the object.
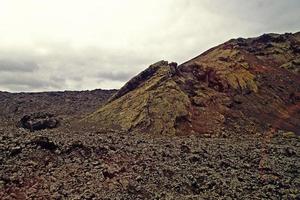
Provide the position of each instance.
(73, 162)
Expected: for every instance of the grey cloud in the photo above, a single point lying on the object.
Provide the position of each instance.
(70, 69)
(58, 80)
(259, 15)
(120, 76)
(18, 65)
(27, 83)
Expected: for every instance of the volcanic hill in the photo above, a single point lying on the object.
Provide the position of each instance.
(250, 84)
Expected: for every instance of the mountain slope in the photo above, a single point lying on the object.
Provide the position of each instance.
(246, 84)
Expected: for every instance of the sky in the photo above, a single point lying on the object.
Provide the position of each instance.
(54, 45)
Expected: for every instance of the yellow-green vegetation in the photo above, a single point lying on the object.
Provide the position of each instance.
(151, 107)
(241, 79)
(231, 66)
(293, 65)
(289, 134)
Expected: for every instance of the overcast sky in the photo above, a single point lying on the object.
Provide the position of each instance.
(87, 44)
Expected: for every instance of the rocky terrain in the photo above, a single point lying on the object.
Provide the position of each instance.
(224, 125)
(73, 164)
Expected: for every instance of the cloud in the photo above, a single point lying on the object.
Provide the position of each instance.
(88, 44)
(29, 81)
(119, 76)
(66, 68)
(17, 66)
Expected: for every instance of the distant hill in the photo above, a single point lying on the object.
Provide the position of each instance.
(64, 104)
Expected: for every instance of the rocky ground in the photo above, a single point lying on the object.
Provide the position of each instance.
(64, 163)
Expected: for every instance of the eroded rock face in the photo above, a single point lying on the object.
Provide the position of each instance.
(39, 121)
(236, 84)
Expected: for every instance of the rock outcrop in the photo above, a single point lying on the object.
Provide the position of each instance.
(38, 121)
(250, 83)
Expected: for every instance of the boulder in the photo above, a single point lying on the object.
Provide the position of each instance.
(38, 121)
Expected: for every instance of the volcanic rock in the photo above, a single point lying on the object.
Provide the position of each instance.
(44, 143)
(39, 121)
(236, 84)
